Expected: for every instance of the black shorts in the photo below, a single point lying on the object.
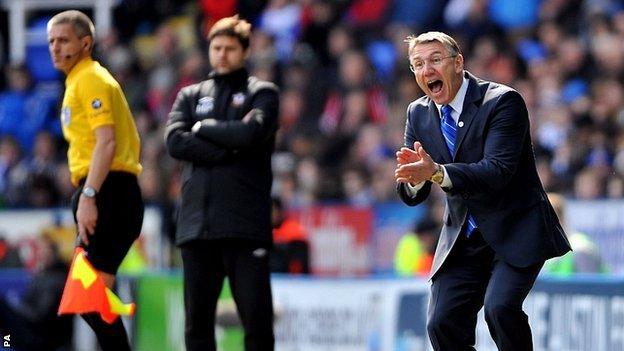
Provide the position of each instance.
(120, 217)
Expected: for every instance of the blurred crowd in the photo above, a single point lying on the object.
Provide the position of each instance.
(345, 85)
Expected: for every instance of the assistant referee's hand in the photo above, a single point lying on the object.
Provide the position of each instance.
(86, 216)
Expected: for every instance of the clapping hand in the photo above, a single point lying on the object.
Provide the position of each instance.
(413, 166)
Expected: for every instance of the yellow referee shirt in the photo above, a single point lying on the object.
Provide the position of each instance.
(93, 98)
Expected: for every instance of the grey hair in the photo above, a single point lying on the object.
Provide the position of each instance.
(81, 23)
(429, 37)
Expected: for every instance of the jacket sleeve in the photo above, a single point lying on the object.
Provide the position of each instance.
(409, 197)
(502, 152)
(243, 134)
(180, 141)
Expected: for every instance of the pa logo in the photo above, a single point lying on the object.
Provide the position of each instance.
(6, 340)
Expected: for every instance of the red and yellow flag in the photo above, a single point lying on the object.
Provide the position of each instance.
(85, 292)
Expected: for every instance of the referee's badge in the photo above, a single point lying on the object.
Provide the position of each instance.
(65, 115)
(238, 99)
(204, 105)
(96, 103)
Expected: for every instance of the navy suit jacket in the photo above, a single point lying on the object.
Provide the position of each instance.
(493, 174)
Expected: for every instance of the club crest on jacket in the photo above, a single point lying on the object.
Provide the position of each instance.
(204, 105)
(238, 99)
(66, 115)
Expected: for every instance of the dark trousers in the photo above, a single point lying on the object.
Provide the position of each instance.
(245, 263)
(474, 277)
(120, 218)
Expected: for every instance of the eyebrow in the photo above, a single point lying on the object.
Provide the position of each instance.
(433, 53)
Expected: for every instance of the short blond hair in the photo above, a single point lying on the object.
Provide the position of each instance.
(81, 23)
(429, 37)
(233, 27)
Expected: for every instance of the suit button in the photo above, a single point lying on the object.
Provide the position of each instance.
(465, 196)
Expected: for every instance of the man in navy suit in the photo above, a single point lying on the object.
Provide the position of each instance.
(471, 137)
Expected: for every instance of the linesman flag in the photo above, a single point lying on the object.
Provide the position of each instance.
(85, 291)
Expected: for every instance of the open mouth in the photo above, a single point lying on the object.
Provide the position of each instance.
(435, 86)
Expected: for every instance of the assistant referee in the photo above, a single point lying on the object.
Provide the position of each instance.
(103, 158)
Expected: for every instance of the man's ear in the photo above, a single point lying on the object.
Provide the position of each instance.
(87, 43)
(459, 63)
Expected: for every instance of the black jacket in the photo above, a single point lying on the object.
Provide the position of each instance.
(226, 177)
(493, 174)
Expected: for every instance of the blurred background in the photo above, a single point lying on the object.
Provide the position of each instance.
(350, 260)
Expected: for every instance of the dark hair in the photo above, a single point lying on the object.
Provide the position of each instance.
(233, 27)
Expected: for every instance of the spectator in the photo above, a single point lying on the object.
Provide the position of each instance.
(10, 176)
(63, 184)
(37, 173)
(9, 256)
(322, 17)
(24, 110)
(121, 60)
(32, 318)
(369, 147)
(515, 15)
(414, 252)
(291, 249)
(13, 100)
(151, 187)
(615, 187)
(470, 17)
(308, 183)
(214, 11)
(282, 20)
(356, 87)
(356, 187)
(382, 182)
(588, 185)
(163, 76)
(290, 116)
(585, 255)
(366, 14)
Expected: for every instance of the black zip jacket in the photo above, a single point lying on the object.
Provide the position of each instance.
(226, 176)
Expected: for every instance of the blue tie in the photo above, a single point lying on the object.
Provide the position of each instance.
(449, 131)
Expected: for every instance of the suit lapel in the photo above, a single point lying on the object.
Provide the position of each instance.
(468, 112)
(438, 140)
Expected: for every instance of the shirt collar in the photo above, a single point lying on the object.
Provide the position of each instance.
(79, 66)
(458, 101)
(235, 78)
